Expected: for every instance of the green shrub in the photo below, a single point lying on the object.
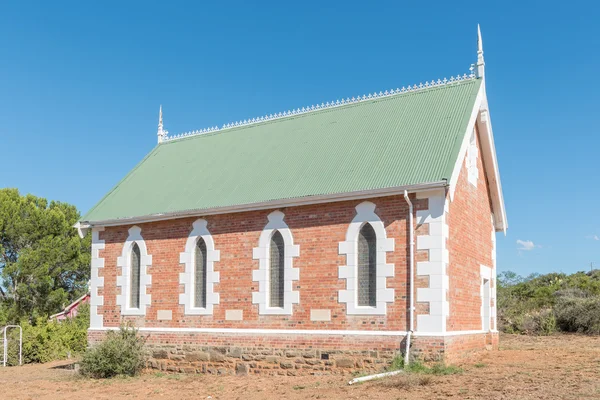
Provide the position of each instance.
(45, 340)
(121, 353)
(417, 367)
(578, 312)
(397, 363)
(543, 304)
(540, 322)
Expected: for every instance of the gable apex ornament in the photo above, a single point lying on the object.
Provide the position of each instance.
(480, 61)
(162, 133)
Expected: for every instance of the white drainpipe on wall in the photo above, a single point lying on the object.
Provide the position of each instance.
(412, 277)
(412, 302)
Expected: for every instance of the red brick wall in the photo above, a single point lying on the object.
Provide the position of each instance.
(280, 341)
(469, 245)
(317, 229)
(457, 348)
(452, 349)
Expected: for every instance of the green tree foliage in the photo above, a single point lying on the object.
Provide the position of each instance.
(44, 265)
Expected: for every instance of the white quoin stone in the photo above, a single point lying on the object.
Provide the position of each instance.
(96, 281)
(436, 268)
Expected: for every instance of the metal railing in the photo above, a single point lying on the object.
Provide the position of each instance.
(6, 344)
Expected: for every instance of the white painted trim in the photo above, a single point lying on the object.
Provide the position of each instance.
(494, 278)
(96, 281)
(261, 275)
(81, 229)
(187, 278)
(466, 141)
(365, 213)
(124, 261)
(486, 274)
(251, 331)
(436, 267)
(480, 116)
(265, 205)
(489, 158)
(471, 160)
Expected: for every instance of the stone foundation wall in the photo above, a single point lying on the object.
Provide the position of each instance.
(273, 354)
(254, 360)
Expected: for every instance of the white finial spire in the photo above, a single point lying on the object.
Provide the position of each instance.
(480, 62)
(162, 134)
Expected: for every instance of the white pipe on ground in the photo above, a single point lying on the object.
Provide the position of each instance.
(411, 263)
(376, 376)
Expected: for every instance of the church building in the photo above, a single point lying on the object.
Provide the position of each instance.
(330, 237)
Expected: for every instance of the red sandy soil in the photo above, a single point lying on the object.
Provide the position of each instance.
(554, 367)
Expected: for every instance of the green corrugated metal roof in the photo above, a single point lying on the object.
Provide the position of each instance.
(405, 139)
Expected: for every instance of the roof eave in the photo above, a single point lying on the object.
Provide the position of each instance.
(491, 164)
(83, 226)
(480, 115)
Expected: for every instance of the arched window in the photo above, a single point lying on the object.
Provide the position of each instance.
(200, 275)
(135, 277)
(276, 270)
(366, 270)
(275, 254)
(134, 300)
(367, 267)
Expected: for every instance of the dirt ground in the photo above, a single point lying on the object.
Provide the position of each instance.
(555, 367)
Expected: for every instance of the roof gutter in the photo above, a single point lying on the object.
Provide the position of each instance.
(84, 226)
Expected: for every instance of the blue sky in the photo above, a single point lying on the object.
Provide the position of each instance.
(81, 82)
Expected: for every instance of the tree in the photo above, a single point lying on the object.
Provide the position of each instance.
(44, 265)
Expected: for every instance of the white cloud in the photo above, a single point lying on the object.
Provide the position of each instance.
(593, 237)
(526, 245)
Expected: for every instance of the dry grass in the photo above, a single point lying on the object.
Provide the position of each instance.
(406, 381)
(550, 368)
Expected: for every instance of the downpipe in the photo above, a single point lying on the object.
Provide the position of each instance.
(411, 297)
(411, 238)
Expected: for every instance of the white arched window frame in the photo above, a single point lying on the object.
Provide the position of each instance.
(187, 278)
(124, 280)
(261, 275)
(365, 213)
